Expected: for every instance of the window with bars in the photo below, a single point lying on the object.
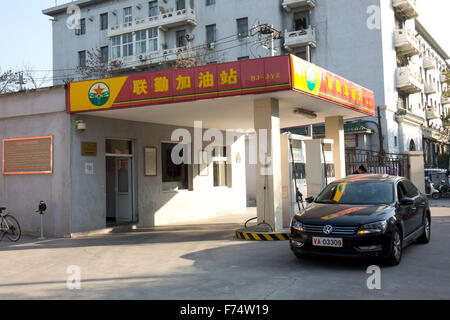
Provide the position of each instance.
(242, 28)
(153, 39)
(181, 38)
(82, 58)
(127, 45)
(127, 15)
(141, 42)
(104, 21)
(115, 45)
(211, 33)
(153, 8)
(104, 51)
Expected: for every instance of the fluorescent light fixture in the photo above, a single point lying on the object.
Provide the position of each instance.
(305, 113)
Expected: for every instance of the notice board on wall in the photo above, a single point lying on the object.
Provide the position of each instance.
(28, 155)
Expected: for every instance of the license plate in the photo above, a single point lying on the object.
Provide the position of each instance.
(327, 242)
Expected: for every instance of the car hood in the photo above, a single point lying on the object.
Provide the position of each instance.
(345, 215)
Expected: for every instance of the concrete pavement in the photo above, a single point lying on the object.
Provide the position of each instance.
(206, 262)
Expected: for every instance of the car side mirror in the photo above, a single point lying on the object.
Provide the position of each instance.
(309, 199)
(406, 201)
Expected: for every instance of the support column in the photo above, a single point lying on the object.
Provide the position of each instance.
(268, 177)
(334, 129)
(416, 169)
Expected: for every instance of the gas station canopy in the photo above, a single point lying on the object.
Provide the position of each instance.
(222, 95)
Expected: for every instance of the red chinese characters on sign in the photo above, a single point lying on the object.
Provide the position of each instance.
(206, 82)
(340, 90)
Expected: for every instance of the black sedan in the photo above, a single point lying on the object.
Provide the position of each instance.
(363, 216)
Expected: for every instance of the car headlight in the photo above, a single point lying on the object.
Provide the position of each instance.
(377, 227)
(297, 225)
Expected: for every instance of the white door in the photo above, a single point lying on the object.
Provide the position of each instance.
(124, 194)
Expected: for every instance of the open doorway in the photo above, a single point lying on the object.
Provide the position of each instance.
(119, 182)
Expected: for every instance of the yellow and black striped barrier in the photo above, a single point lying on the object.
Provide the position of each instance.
(262, 236)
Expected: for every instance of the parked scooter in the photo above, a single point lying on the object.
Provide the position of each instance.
(431, 190)
(443, 190)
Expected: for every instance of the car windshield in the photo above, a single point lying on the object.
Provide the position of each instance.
(358, 193)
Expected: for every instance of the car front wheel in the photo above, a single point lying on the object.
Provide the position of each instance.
(395, 252)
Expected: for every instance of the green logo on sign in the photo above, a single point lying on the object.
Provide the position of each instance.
(99, 94)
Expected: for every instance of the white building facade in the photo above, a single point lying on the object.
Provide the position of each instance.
(378, 43)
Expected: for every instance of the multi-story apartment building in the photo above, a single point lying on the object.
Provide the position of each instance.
(378, 43)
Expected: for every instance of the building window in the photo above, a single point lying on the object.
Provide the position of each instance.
(181, 4)
(127, 45)
(153, 8)
(221, 170)
(116, 45)
(210, 2)
(181, 38)
(242, 28)
(127, 15)
(82, 29)
(82, 58)
(153, 39)
(104, 54)
(104, 21)
(243, 58)
(211, 33)
(174, 176)
(141, 42)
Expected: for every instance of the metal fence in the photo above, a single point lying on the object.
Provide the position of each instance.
(375, 162)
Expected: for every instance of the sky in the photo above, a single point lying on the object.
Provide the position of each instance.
(27, 33)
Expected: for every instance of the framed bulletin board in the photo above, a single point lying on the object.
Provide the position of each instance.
(28, 155)
(150, 161)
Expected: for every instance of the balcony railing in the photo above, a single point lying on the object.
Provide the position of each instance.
(300, 38)
(406, 8)
(288, 5)
(428, 63)
(406, 43)
(432, 113)
(167, 20)
(408, 80)
(146, 59)
(430, 88)
(443, 77)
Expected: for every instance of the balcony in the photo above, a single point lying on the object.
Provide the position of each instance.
(300, 38)
(408, 80)
(432, 113)
(406, 43)
(146, 59)
(288, 5)
(445, 100)
(406, 8)
(428, 63)
(166, 20)
(443, 77)
(430, 88)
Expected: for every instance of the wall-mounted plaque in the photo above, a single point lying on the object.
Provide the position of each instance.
(89, 149)
(150, 161)
(28, 155)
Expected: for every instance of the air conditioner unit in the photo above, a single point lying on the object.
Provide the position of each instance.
(211, 45)
(189, 37)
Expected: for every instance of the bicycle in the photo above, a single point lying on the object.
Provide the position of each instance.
(9, 226)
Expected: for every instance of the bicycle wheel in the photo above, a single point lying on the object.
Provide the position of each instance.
(13, 232)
